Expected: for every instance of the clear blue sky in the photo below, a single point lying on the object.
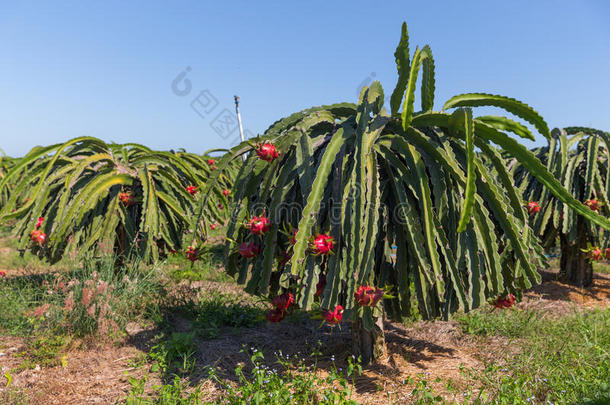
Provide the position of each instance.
(105, 69)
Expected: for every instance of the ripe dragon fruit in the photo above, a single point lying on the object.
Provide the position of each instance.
(322, 244)
(367, 296)
(267, 151)
(533, 207)
(38, 237)
(504, 302)
(249, 249)
(593, 204)
(127, 199)
(333, 317)
(259, 225)
(192, 253)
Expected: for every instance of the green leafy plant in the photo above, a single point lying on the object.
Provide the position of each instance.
(291, 383)
(369, 180)
(45, 351)
(514, 323)
(578, 157)
(212, 311)
(221, 311)
(89, 197)
(174, 393)
(422, 393)
(175, 354)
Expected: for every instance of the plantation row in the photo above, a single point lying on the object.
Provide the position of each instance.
(474, 225)
(86, 197)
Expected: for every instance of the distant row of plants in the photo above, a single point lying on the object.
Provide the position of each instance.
(578, 158)
(88, 197)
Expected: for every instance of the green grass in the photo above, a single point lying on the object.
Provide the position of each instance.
(174, 393)
(19, 296)
(214, 312)
(44, 351)
(288, 382)
(175, 354)
(96, 300)
(601, 267)
(513, 323)
(559, 360)
(83, 302)
(206, 268)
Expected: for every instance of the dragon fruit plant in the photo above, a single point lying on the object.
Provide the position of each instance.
(103, 198)
(578, 157)
(370, 179)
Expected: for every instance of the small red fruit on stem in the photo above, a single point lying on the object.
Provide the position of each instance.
(368, 296)
(38, 237)
(249, 249)
(504, 302)
(192, 190)
(533, 207)
(259, 225)
(593, 204)
(39, 222)
(322, 244)
(267, 151)
(292, 239)
(283, 301)
(211, 162)
(192, 253)
(595, 253)
(127, 199)
(226, 192)
(333, 317)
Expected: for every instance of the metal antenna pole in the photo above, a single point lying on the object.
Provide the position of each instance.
(241, 128)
